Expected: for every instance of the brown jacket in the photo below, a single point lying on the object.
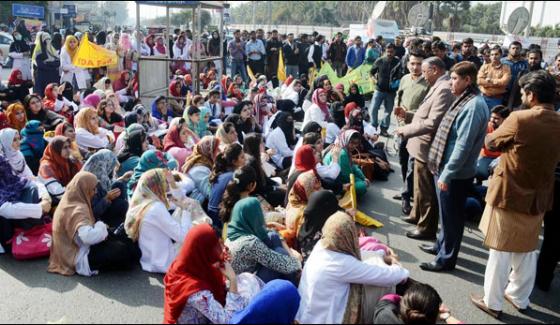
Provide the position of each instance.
(529, 141)
(422, 129)
(499, 79)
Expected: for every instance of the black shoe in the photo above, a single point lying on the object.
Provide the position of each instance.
(410, 220)
(384, 133)
(428, 248)
(416, 234)
(432, 267)
(406, 208)
(397, 197)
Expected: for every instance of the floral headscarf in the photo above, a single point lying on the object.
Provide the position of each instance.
(323, 106)
(149, 160)
(102, 164)
(11, 186)
(204, 153)
(151, 188)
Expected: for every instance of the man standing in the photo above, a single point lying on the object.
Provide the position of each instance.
(336, 55)
(255, 52)
(273, 47)
(412, 91)
(439, 49)
(467, 53)
(388, 72)
(400, 51)
(534, 60)
(355, 54)
(452, 161)
(303, 46)
(493, 78)
(315, 53)
(519, 194)
(291, 51)
(517, 66)
(236, 49)
(420, 134)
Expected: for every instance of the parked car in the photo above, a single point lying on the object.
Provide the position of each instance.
(5, 41)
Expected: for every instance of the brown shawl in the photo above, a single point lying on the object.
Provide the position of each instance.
(73, 212)
(340, 235)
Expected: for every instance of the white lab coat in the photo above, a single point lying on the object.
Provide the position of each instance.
(69, 71)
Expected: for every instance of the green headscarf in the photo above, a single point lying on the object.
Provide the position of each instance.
(203, 126)
(150, 159)
(247, 219)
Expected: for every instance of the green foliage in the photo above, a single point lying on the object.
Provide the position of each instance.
(183, 17)
(546, 31)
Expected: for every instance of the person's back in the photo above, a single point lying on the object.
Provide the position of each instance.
(531, 157)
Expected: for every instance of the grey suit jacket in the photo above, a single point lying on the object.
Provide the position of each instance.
(421, 131)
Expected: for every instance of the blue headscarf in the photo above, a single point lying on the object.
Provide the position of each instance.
(277, 303)
(11, 186)
(32, 142)
(157, 114)
(150, 159)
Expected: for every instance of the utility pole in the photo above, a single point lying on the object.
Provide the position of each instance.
(254, 13)
(531, 7)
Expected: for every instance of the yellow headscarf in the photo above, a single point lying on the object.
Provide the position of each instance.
(50, 50)
(71, 52)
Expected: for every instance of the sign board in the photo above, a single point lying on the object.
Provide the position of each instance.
(71, 9)
(518, 21)
(418, 15)
(28, 11)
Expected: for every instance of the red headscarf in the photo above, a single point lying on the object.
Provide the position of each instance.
(289, 80)
(305, 159)
(120, 83)
(188, 79)
(173, 138)
(53, 165)
(323, 106)
(160, 47)
(50, 100)
(15, 78)
(172, 89)
(349, 108)
(193, 271)
(235, 93)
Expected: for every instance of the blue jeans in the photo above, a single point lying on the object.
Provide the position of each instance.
(452, 219)
(238, 67)
(266, 274)
(492, 102)
(388, 100)
(482, 168)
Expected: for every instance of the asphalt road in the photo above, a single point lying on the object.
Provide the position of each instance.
(31, 295)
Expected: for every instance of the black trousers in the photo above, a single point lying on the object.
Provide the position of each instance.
(256, 66)
(550, 250)
(116, 253)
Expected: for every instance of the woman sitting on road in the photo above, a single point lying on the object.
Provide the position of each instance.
(89, 135)
(79, 243)
(198, 167)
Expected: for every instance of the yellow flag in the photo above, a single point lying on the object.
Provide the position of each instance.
(250, 74)
(281, 73)
(91, 55)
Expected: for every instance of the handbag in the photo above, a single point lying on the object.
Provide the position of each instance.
(366, 163)
(32, 243)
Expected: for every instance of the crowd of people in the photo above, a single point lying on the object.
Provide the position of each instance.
(235, 193)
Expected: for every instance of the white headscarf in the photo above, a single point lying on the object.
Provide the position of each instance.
(290, 93)
(14, 157)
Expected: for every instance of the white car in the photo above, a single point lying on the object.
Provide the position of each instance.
(5, 41)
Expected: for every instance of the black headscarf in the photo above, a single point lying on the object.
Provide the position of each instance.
(19, 46)
(312, 127)
(356, 98)
(68, 92)
(320, 206)
(134, 138)
(57, 41)
(101, 38)
(338, 115)
(235, 119)
(281, 121)
(285, 105)
(130, 118)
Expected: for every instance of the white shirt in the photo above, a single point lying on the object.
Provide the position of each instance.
(69, 71)
(326, 279)
(86, 140)
(157, 233)
(314, 114)
(85, 237)
(332, 133)
(277, 141)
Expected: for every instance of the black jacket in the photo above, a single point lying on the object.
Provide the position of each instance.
(290, 58)
(386, 71)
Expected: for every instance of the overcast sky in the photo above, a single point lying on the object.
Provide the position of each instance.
(550, 14)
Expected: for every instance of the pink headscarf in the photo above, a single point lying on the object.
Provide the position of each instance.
(91, 100)
(323, 106)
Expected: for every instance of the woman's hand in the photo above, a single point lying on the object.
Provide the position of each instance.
(346, 187)
(228, 272)
(113, 194)
(276, 226)
(45, 206)
(61, 88)
(126, 177)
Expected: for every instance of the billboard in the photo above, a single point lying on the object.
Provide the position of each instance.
(28, 11)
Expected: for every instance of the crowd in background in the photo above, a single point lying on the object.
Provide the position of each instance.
(235, 192)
